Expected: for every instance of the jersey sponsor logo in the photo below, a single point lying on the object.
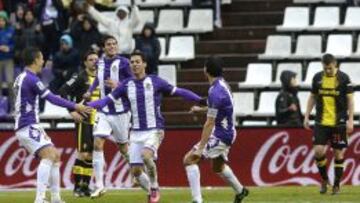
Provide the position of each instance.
(329, 92)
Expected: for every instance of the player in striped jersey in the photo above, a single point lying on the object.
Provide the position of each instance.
(145, 93)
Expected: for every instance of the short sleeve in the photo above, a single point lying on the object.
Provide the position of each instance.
(214, 104)
(39, 87)
(165, 87)
(314, 84)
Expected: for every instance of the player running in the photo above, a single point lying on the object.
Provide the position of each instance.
(27, 89)
(217, 136)
(145, 93)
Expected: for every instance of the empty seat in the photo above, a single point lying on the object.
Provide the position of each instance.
(254, 123)
(266, 104)
(152, 3)
(357, 101)
(295, 67)
(308, 46)
(303, 98)
(200, 21)
(277, 47)
(180, 2)
(146, 16)
(353, 70)
(168, 73)
(295, 19)
(122, 3)
(326, 18)
(181, 48)
(53, 111)
(319, 1)
(162, 41)
(243, 103)
(170, 21)
(352, 21)
(313, 68)
(356, 54)
(65, 125)
(257, 75)
(339, 45)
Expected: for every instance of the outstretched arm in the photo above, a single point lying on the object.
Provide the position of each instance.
(186, 94)
(114, 95)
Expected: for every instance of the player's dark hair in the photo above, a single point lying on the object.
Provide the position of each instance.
(29, 55)
(106, 38)
(328, 58)
(213, 66)
(88, 53)
(139, 53)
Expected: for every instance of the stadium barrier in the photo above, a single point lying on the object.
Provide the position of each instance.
(260, 156)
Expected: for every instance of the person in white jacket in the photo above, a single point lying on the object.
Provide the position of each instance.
(121, 27)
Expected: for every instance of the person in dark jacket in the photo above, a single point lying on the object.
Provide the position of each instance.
(65, 63)
(288, 110)
(149, 44)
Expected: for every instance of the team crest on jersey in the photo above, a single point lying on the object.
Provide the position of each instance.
(148, 86)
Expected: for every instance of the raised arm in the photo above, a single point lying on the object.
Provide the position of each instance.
(99, 17)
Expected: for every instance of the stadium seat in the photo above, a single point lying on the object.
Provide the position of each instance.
(168, 73)
(152, 3)
(180, 2)
(356, 54)
(319, 1)
(146, 16)
(65, 125)
(45, 125)
(170, 21)
(7, 126)
(277, 47)
(254, 123)
(339, 45)
(53, 111)
(257, 75)
(303, 98)
(352, 21)
(357, 101)
(295, 19)
(308, 46)
(182, 48)
(243, 103)
(353, 70)
(162, 41)
(326, 18)
(313, 68)
(266, 104)
(200, 21)
(122, 3)
(108, 14)
(295, 67)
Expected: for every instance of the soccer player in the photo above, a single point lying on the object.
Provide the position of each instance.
(145, 93)
(31, 135)
(332, 94)
(76, 87)
(113, 119)
(217, 135)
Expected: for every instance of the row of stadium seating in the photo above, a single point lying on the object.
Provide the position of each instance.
(319, 1)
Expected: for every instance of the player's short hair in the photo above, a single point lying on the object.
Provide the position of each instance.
(88, 53)
(213, 66)
(29, 55)
(328, 59)
(139, 53)
(106, 38)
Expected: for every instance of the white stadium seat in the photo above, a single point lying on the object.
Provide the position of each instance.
(326, 18)
(181, 48)
(146, 16)
(353, 70)
(308, 46)
(295, 67)
(152, 3)
(352, 21)
(313, 68)
(257, 75)
(319, 1)
(65, 125)
(295, 19)
(200, 21)
(357, 101)
(254, 123)
(162, 41)
(45, 125)
(356, 54)
(53, 111)
(244, 103)
(266, 104)
(277, 47)
(168, 73)
(180, 2)
(339, 45)
(170, 21)
(122, 3)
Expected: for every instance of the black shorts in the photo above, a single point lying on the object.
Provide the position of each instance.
(84, 137)
(336, 135)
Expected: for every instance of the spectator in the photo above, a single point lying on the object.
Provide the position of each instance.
(17, 17)
(85, 34)
(65, 63)
(6, 50)
(149, 44)
(121, 27)
(287, 103)
(28, 34)
(53, 18)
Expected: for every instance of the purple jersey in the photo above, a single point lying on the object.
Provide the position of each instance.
(117, 69)
(220, 107)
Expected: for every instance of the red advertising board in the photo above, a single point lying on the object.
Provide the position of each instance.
(260, 156)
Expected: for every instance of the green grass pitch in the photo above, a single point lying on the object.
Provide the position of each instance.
(290, 194)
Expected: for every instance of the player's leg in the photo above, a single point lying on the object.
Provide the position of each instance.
(85, 155)
(120, 125)
(339, 143)
(321, 135)
(77, 169)
(193, 175)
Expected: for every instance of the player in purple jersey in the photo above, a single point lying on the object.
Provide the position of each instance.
(113, 119)
(144, 93)
(217, 136)
(27, 89)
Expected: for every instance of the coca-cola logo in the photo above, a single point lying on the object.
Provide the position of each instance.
(280, 162)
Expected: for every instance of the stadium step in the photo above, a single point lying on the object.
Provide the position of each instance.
(230, 60)
(256, 5)
(230, 46)
(183, 119)
(252, 18)
(171, 104)
(197, 75)
(237, 32)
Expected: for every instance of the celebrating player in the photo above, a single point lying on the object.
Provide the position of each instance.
(76, 87)
(217, 136)
(144, 93)
(114, 118)
(30, 134)
(332, 93)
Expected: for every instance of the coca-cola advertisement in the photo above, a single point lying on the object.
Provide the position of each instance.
(259, 157)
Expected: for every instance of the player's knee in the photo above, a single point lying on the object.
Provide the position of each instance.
(85, 156)
(147, 155)
(98, 144)
(217, 168)
(187, 160)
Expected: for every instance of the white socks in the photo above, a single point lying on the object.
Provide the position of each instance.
(55, 181)
(193, 175)
(43, 173)
(152, 171)
(228, 176)
(144, 181)
(99, 162)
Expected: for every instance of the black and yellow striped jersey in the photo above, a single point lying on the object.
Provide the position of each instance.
(331, 98)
